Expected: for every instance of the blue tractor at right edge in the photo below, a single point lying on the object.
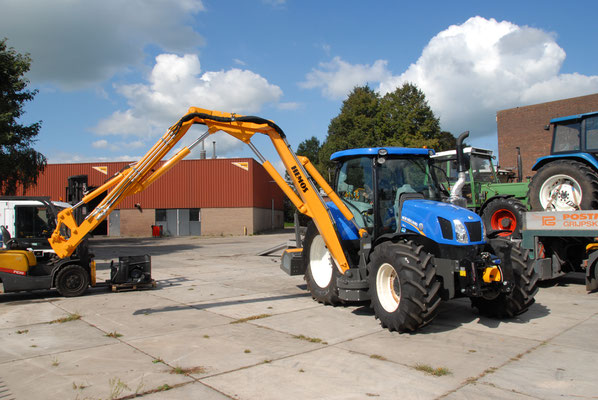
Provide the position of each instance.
(567, 179)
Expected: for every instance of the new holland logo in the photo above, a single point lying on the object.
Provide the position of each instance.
(242, 165)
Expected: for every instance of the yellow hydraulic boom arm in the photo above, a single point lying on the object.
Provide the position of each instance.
(142, 173)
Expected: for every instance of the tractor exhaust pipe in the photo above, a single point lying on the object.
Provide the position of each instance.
(456, 197)
(519, 166)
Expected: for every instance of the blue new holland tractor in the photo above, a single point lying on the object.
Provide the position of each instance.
(413, 246)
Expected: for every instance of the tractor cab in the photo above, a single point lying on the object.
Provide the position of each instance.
(575, 134)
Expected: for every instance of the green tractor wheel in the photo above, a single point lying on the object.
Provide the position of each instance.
(504, 213)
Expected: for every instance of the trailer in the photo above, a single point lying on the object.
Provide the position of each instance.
(561, 242)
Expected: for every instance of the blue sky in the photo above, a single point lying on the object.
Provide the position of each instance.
(114, 75)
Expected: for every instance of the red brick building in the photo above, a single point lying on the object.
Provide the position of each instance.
(523, 127)
(196, 197)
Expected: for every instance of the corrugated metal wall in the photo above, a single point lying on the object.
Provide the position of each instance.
(190, 184)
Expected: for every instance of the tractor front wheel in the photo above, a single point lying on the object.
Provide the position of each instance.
(504, 213)
(72, 280)
(403, 286)
(320, 270)
(508, 305)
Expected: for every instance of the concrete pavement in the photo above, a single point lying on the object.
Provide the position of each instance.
(224, 323)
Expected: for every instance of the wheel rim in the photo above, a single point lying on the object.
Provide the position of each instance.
(320, 262)
(388, 287)
(560, 193)
(73, 282)
(503, 219)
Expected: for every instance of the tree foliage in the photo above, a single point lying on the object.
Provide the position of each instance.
(20, 164)
(310, 148)
(401, 118)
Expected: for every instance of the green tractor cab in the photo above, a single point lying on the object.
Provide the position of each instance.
(496, 195)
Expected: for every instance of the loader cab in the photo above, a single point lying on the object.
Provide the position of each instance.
(575, 134)
(372, 181)
(30, 222)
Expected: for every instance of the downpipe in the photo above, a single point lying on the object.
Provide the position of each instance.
(456, 196)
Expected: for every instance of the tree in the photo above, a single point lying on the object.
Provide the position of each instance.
(355, 126)
(310, 148)
(401, 118)
(406, 120)
(20, 164)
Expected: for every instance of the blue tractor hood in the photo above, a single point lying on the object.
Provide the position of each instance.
(436, 220)
(432, 219)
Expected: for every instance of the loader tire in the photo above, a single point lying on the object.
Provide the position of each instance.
(509, 305)
(404, 289)
(72, 280)
(320, 270)
(564, 185)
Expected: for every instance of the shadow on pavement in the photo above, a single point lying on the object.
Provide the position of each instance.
(216, 304)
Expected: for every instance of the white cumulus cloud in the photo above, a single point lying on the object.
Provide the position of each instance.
(337, 78)
(75, 43)
(176, 83)
(468, 72)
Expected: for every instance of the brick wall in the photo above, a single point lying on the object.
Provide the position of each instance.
(135, 223)
(524, 127)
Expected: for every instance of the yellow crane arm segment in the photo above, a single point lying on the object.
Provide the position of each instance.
(140, 175)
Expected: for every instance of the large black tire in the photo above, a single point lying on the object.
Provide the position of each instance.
(509, 305)
(404, 289)
(504, 213)
(320, 271)
(72, 280)
(564, 185)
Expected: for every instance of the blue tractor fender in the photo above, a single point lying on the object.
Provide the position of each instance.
(585, 158)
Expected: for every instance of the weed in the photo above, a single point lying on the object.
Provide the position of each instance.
(310, 339)
(252, 318)
(266, 361)
(55, 362)
(164, 387)
(188, 371)
(79, 386)
(472, 350)
(378, 357)
(247, 351)
(70, 317)
(114, 335)
(301, 370)
(441, 371)
(206, 336)
(117, 387)
(23, 331)
(33, 345)
(157, 361)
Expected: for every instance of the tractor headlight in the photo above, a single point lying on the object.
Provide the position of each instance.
(460, 231)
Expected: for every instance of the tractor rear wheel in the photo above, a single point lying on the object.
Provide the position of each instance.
(508, 305)
(504, 213)
(72, 280)
(404, 289)
(564, 185)
(320, 270)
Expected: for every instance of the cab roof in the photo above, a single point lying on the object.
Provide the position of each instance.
(572, 117)
(372, 151)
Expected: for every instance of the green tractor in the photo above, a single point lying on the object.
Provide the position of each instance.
(498, 196)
